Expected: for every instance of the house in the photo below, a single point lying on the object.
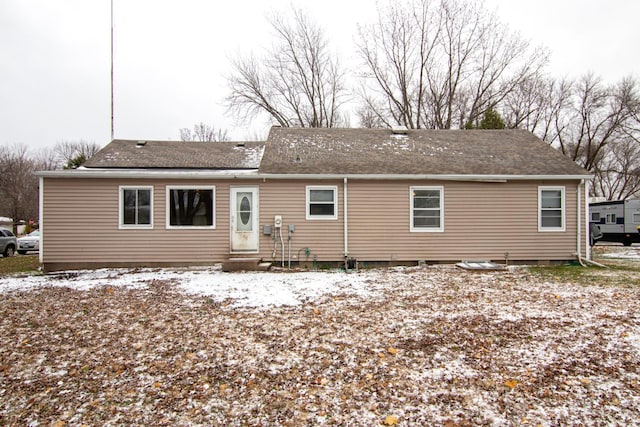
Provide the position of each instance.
(323, 195)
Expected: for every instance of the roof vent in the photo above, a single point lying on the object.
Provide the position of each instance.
(399, 130)
(141, 144)
(240, 144)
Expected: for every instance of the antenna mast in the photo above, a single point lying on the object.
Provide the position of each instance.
(112, 132)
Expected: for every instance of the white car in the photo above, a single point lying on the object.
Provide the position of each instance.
(30, 242)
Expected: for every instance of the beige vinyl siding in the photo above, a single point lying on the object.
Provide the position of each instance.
(324, 237)
(481, 221)
(81, 226)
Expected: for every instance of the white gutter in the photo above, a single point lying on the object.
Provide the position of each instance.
(345, 219)
(212, 174)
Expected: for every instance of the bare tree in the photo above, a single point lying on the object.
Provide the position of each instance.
(18, 184)
(538, 104)
(592, 123)
(203, 133)
(542, 106)
(46, 159)
(600, 115)
(19, 196)
(299, 82)
(71, 154)
(441, 63)
(617, 175)
(370, 118)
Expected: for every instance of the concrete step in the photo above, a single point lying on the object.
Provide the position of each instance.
(245, 264)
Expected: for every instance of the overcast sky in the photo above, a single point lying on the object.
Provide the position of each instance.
(170, 57)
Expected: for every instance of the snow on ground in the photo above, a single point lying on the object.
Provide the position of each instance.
(249, 289)
(626, 253)
(423, 346)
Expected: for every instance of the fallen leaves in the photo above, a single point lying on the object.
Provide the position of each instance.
(585, 381)
(511, 383)
(437, 347)
(390, 420)
(321, 381)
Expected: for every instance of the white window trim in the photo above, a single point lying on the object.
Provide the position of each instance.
(563, 208)
(121, 224)
(334, 188)
(190, 227)
(426, 229)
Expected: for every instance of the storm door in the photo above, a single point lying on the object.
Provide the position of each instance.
(245, 237)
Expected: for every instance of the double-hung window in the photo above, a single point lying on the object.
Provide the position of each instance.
(190, 207)
(427, 208)
(136, 207)
(551, 212)
(322, 202)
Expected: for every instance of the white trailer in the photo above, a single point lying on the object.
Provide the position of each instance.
(618, 220)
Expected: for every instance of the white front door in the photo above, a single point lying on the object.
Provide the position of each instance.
(245, 233)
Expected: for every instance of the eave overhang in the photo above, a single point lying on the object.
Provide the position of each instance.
(255, 175)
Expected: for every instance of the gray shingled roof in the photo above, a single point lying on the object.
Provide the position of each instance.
(442, 152)
(351, 152)
(178, 155)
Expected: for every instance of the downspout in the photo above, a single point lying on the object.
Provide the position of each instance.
(587, 218)
(40, 219)
(345, 218)
(578, 220)
(587, 259)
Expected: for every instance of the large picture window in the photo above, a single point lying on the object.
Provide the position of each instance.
(191, 207)
(427, 209)
(551, 214)
(322, 202)
(136, 207)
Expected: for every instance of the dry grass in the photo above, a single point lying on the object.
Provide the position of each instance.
(19, 264)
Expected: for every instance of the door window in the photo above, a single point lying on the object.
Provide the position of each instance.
(244, 204)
